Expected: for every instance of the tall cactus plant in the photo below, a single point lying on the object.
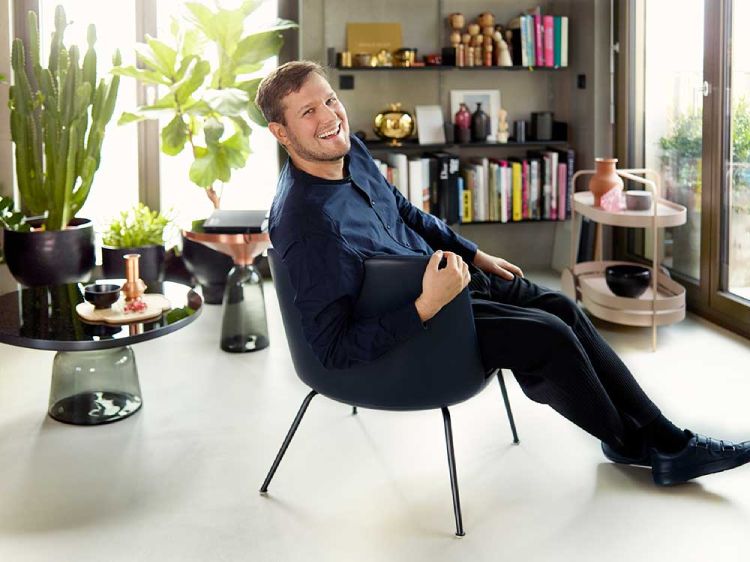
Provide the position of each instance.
(58, 117)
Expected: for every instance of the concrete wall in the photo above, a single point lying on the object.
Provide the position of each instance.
(532, 245)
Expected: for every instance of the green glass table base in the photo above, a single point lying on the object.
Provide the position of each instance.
(94, 387)
(244, 326)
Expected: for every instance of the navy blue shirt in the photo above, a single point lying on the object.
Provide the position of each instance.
(325, 229)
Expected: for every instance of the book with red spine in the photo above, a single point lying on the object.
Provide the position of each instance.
(539, 37)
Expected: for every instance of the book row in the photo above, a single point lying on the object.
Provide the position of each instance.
(535, 187)
(538, 39)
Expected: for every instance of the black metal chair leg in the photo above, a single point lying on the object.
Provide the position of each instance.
(507, 405)
(354, 410)
(289, 435)
(452, 468)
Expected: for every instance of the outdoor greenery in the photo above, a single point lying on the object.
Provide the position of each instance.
(138, 226)
(58, 115)
(684, 144)
(210, 105)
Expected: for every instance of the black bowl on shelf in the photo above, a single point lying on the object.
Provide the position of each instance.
(102, 295)
(627, 280)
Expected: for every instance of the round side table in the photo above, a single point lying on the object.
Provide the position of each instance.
(94, 375)
(244, 326)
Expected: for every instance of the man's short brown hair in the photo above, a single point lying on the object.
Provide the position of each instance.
(284, 80)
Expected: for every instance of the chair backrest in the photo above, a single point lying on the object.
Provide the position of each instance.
(438, 367)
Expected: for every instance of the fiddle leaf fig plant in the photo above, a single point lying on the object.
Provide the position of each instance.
(207, 88)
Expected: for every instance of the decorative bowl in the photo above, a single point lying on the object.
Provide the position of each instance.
(627, 280)
(638, 200)
(102, 295)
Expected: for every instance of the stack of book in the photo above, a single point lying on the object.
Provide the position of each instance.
(535, 187)
(539, 39)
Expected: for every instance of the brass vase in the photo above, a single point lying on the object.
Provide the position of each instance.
(394, 124)
(604, 179)
(134, 286)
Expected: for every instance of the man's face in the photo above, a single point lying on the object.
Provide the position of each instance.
(316, 129)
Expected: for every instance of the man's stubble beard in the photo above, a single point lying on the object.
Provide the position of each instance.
(312, 156)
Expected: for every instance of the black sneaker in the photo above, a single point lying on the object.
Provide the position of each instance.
(701, 456)
(641, 458)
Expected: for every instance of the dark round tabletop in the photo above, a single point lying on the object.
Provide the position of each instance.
(46, 318)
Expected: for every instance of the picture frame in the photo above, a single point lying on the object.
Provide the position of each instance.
(430, 129)
(490, 100)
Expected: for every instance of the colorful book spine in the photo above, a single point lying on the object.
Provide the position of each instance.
(517, 188)
(563, 41)
(549, 40)
(539, 38)
(524, 42)
(468, 215)
(558, 41)
(525, 207)
(562, 183)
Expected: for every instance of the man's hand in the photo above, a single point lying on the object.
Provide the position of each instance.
(440, 286)
(498, 266)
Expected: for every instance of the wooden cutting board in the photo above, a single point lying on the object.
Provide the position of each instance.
(155, 305)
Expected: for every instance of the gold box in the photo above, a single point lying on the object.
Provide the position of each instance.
(372, 37)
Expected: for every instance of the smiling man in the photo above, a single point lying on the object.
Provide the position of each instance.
(333, 209)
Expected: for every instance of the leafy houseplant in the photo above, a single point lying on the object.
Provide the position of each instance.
(210, 104)
(58, 115)
(137, 230)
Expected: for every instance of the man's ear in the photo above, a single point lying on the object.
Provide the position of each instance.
(279, 131)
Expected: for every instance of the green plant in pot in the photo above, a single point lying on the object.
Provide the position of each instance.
(207, 75)
(58, 116)
(138, 230)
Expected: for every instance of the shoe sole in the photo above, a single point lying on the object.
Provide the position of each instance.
(674, 477)
(614, 457)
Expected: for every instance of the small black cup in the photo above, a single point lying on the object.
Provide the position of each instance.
(102, 295)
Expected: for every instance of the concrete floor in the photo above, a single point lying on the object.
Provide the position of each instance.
(179, 480)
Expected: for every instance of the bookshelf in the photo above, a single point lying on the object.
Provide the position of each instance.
(438, 68)
(414, 145)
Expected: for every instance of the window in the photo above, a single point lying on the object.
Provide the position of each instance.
(688, 92)
(116, 184)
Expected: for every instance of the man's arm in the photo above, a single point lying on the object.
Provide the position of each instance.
(327, 276)
(437, 234)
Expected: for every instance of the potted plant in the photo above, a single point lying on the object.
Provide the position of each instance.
(58, 116)
(210, 104)
(138, 230)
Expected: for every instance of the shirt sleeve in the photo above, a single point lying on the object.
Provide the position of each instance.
(437, 234)
(327, 276)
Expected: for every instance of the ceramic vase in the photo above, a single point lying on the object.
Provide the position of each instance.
(604, 179)
(480, 125)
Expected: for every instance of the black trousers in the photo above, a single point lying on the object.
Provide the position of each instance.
(557, 356)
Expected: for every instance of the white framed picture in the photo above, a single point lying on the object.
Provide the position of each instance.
(490, 100)
(430, 128)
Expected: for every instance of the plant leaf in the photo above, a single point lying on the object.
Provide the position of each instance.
(174, 136)
(228, 101)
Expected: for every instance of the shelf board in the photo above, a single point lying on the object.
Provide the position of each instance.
(668, 213)
(507, 222)
(410, 145)
(446, 68)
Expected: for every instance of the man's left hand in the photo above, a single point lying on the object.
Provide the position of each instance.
(498, 266)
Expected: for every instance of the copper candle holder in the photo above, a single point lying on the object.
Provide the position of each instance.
(134, 287)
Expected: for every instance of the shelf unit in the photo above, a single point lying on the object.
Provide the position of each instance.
(411, 145)
(664, 302)
(446, 68)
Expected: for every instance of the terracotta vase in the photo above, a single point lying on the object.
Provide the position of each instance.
(604, 179)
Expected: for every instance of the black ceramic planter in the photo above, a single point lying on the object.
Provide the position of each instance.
(55, 257)
(209, 267)
(151, 264)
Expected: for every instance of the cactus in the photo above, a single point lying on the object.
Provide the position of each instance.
(58, 115)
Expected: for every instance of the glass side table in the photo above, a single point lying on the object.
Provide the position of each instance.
(244, 326)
